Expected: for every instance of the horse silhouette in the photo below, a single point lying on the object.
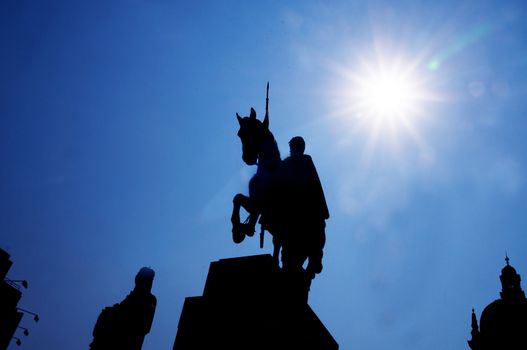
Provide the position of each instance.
(275, 198)
(258, 147)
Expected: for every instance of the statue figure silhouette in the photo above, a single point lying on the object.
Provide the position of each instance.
(286, 195)
(306, 205)
(125, 325)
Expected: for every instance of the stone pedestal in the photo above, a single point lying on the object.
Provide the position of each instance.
(247, 304)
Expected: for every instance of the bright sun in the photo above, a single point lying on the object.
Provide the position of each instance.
(383, 98)
(386, 90)
(387, 94)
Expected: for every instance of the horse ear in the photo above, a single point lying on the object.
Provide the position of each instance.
(253, 113)
(266, 121)
(239, 118)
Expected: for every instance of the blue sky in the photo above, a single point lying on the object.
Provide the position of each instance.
(118, 149)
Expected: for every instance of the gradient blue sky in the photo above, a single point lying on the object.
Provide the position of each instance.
(118, 149)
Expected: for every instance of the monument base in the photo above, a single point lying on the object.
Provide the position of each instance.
(250, 303)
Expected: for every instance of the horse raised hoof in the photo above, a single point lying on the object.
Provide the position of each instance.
(247, 229)
(237, 234)
(239, 231)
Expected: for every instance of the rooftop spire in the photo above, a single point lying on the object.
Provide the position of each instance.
(510, 282)
(474, 342)
(474, 321)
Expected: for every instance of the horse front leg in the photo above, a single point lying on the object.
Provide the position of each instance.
(240, 230)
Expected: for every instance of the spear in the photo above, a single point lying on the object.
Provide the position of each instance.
(266, 119)
(267, 102)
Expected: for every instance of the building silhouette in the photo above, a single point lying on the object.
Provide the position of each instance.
(124, 326)
(10, 295)
(249, 303)
(503, 323)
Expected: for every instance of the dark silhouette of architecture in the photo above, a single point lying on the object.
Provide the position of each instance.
(125, 325)
(250, 303)
(10, 295)
(503, 323)
(286, 195)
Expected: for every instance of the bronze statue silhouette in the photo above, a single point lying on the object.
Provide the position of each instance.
(125, 325)
(285, 195)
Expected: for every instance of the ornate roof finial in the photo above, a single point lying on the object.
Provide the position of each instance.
(506, 258)
(474, 342)
(475, 327)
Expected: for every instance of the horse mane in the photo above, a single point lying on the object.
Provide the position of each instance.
(269, 158)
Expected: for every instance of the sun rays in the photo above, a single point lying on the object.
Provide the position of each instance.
(383, 99)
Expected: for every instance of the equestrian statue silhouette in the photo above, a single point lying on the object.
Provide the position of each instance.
(285, 195)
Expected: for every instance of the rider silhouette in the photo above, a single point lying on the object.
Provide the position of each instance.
(307, 208)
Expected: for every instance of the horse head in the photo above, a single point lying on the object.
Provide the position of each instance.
(252, 133)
